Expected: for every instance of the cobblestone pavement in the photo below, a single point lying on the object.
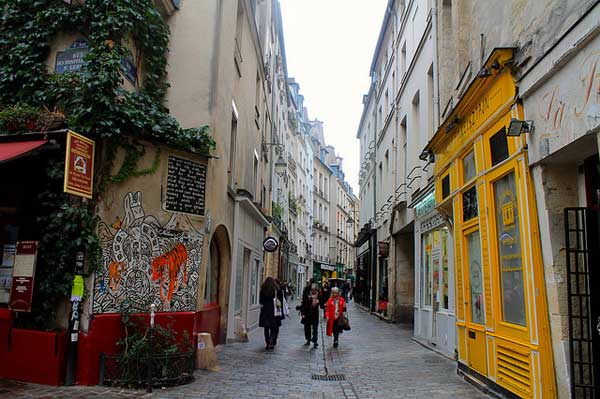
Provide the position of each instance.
(377, 359)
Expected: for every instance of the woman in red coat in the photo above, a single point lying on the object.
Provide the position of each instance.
(334, 308)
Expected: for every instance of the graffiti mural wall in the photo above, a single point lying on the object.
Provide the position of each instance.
(144, 262)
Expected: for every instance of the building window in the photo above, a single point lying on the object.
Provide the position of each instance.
(255, 176)
(509, 250)
(499, 147)
(446, 186)
(475, 277)
(469, 199)
(469, 169)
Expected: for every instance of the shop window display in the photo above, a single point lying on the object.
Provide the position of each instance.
(475, 277)
(444, 255)
(426, 269)
(509, 250)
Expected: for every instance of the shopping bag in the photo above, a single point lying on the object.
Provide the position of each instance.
(277, 307)
(286, 308)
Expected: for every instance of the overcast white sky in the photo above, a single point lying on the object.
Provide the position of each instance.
(329, 47)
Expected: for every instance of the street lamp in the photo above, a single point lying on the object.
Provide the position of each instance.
(280, 164)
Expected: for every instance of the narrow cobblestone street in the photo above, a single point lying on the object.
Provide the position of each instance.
(377, 360)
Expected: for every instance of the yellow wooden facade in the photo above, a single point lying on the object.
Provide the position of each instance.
(501, 307)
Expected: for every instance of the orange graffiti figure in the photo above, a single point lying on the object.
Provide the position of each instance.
(170, 262)
(115, 269)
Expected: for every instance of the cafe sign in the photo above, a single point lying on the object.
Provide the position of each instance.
(21, 294)
(79, 165)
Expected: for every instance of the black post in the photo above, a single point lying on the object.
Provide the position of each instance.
(151, 349)
(76, 297)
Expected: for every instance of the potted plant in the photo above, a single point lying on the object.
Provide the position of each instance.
(19, 117)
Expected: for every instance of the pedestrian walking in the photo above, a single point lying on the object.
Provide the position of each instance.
(272, 301)
(325, 293)
(334, 310)
(309, 309)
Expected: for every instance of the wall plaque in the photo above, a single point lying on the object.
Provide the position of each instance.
(72, 59)
(186, 186)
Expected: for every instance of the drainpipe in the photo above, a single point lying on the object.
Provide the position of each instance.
(436, 76)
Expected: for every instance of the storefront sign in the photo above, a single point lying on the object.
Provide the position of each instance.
(270, 244)
(79, 165)
(72, 59)
(21, 292)
(327, 267)
(432, 222)
(425, 205)
(186, 186)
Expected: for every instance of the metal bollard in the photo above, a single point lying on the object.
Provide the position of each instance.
(151, 348)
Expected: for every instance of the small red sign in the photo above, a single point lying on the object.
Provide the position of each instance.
(21, 294)
(79, 165)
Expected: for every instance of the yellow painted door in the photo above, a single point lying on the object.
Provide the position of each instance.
(476, 350)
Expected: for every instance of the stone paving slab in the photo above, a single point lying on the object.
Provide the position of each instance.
(378, 360)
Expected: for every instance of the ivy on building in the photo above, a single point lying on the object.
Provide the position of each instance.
(93, 102)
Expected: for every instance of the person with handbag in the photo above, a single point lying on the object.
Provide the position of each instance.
(335, 312)
(309, 309)
(272, 311)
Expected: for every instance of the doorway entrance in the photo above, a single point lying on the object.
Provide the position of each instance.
(582, 240)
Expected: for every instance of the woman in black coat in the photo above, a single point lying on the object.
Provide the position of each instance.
(269, 290)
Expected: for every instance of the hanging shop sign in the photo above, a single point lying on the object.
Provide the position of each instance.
(21, 294)
(186, 186)
(270, 244)
(79, 165)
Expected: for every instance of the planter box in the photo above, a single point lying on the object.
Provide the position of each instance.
(33, 356)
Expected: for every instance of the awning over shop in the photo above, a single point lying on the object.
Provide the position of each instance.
(9, 151)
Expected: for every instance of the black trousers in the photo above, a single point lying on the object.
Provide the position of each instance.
(311, 330)
(271, 334)
(336, 331)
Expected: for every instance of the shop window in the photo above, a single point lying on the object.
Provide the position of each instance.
(254, 281)
(469, 199)
(499, 147)
(509, 250)
(475, 278)
(446, 186)
(469, 170)
(444, 254)
(426, 269)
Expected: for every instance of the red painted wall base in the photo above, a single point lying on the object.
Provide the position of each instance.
(40, 357)
(32, 356)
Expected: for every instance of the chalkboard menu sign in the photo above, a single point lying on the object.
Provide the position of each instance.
(186, 186)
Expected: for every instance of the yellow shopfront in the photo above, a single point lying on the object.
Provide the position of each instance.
(483, 185)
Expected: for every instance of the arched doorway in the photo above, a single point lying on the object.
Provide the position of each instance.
(216, 293)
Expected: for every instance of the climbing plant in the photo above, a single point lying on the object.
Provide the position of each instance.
(95, 103)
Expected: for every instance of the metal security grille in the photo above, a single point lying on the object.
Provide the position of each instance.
(579, 232)
(329, 377)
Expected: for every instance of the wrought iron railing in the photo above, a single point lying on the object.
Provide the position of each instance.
(167, 369)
